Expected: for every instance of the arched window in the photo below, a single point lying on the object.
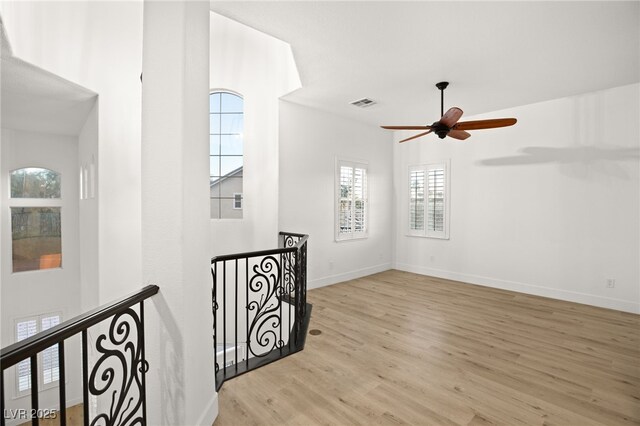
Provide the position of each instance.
(33, 182)
(35, 219)
(226, 124)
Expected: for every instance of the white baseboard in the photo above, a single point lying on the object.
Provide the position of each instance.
(210, 413)
(346, 276)
(554, 293)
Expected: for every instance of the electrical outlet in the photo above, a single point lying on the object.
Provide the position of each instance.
(611, 282)
(432, 258)
(331, 264)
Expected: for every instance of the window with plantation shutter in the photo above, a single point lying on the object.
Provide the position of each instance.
(352, 202)
(429, 200)
(48, 367)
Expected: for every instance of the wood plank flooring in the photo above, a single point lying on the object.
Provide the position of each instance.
(400, 348)
(74, 416)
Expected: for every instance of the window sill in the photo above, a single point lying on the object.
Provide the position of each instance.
(359, 237)
(428, 236)
(57, 268)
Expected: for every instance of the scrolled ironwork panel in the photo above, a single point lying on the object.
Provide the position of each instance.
(289, 241)
(118, 371)
(263, 307)
(273, 297)
(288, 274)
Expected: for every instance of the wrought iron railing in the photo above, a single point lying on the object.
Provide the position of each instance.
(259, 302)
(118, 373)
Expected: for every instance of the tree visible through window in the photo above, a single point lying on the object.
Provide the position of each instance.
(226, 118)
(36, 232)
(33, 182)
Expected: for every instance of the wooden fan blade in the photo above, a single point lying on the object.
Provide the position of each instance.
(458, 134)
(451, 117)
(406, 127)
(485, 124)
(416, 136)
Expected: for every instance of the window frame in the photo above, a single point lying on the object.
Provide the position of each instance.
(41, 385)
(352, 235)
(221, 155)
(426, 168)
(235, 199)
(24, 202)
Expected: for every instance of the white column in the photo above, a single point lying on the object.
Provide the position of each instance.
(175, 213)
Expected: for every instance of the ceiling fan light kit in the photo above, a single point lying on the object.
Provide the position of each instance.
(448, 124)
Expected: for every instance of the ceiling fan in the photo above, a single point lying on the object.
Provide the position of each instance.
(448, 125)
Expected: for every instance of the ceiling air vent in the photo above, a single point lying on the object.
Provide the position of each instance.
(363, 103)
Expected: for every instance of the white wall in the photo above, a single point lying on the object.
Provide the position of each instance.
(310, 141)
(88, 156)
(261, 69)
(549, 206)
(78, 42)
(97, 45)
(59, 289)
(175, 169)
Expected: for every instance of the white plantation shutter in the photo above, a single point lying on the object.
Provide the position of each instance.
(346, 200)
(24, 329)
(50, 369)
(429, 200)
(416, 200)
(351, 200)
(359, 200)
(435, 203)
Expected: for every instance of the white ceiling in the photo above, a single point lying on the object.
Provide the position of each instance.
(495, 54)
(38, 101)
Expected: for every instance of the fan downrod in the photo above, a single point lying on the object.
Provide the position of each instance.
(440, 129)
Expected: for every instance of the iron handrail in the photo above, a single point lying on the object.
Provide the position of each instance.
(23, 349)
(246, 254)
(303, 239)
(293, 234)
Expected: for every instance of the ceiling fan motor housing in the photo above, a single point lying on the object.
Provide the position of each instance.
(440, 129)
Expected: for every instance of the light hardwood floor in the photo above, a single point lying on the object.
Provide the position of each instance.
(400, 348)
(74, 418)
